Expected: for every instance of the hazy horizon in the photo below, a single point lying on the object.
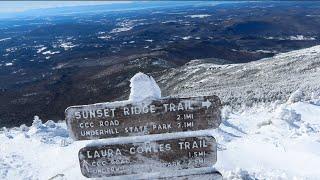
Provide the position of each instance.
(23, 6)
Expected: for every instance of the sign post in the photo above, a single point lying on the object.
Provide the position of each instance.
(169, 156)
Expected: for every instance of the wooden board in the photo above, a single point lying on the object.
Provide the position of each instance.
(169, 156)
(121, 119)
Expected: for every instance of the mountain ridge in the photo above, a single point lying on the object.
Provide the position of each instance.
(265, 80)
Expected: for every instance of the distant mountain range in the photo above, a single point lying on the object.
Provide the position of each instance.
(100, 8)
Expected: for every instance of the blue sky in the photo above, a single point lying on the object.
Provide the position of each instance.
(20, 6)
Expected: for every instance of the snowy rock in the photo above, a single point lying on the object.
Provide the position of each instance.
(24, 128)
(50, 124)
(7, 133)
(238, 174)
(290, 116)
(306, 128)
(315, 98)
(48, 132)
(296, 96)
(225, 112)
(37, 122)
(142, 87)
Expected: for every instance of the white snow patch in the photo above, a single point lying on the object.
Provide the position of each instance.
(170, 21)
(5, 39)
(50, 52)
(186, 37)
(142, 87)
(293, 38)
(199, 15)
(127, 25)
(265, 51)
(301, 38)
(313, 15)
(60, 66)
(121, 29)
(41, 49)
(8, 64)
(12, 49)
(104, 37)
(67, 45)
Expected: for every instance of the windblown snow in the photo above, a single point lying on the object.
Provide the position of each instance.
(274, 140)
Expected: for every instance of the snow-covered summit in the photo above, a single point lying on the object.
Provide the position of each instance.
(266, 80)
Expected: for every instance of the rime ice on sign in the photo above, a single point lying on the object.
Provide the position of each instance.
(142, 87)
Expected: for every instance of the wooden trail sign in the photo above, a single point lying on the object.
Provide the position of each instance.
(121, 119)
(167, 156)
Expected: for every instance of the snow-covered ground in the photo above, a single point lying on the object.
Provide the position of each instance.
(278, 141)
(274, 140)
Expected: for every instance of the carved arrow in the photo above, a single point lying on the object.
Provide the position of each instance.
(85, 164)
(206, 104)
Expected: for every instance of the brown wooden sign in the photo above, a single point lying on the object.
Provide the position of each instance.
(121, 119)
(168, 156)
